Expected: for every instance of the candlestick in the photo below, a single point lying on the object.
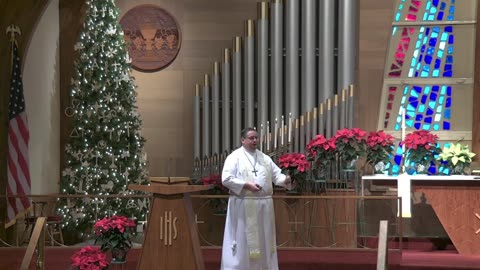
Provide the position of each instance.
(281, 131)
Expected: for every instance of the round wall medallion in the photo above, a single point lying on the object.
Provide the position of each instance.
(153, 37)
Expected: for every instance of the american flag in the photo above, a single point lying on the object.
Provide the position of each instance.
(18, 137)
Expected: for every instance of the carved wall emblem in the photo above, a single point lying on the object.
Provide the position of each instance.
(168, 228)
(153, 37)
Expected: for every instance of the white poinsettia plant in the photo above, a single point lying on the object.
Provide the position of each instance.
(456, 154)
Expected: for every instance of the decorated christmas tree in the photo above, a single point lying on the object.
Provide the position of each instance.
(105, 151)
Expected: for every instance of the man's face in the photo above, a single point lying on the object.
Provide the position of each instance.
(250, 141)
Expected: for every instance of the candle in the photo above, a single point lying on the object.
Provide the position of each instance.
(289, 127)
(275, 135)
(268, 136)
(281, 131)
(261, 137)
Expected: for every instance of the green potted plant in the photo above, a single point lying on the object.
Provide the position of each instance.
(89, 258)
(350, 144)
(457, 156)
(421, 149)
(321, 152)
(380, 146)
(114, 233)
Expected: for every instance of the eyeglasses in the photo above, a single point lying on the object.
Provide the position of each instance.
(252, 138)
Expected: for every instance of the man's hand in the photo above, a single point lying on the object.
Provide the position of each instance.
(252, 187)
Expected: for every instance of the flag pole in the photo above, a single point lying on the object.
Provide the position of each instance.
(13, 30)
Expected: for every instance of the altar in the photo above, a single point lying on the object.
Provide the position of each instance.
(454, 199)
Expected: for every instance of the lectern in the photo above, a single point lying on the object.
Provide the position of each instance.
(171, 239)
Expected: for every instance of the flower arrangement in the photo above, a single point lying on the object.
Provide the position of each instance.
(379, 150)
(295, 165)
(91, 258)
(114, 233)
(421, 147)
(219, 205)
(350, 144)
(457, 156)
(321, 152)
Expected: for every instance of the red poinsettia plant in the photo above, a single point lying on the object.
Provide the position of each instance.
(114, 232)
(380, 146)
(295, 165)
(91, 258)
(321, 151)
(350, 143)
(218, 204)
(421, 147)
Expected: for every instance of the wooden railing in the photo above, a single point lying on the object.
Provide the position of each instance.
(37, 241)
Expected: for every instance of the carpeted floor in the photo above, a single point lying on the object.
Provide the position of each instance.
(289, 259)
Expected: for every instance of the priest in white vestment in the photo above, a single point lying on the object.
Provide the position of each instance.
(249, 240)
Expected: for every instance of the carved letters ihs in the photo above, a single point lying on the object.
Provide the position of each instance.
(168, 228)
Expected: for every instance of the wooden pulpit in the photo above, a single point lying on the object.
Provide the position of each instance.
(171, 239)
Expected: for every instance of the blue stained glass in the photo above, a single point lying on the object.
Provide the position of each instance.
(448, 67)
(410, 112)
(422, 49)
(433, 96)
(413, 93)
(449, 59)
(427, 89)
(431, 104)
(405, 91)
(448, 73)
(420, 58)
(449, 102)
(414, 61)
(446, 125)
(427, 31)
(447, 114)
(444, 37)
(436, 127)
(395, 169)
(416, 74)
(440, 53)
(397, 17)
(400, 7)
(428, 59)
(441, 100)
(418, 89)
(436, 73)
(425, 39)
(439, 109)
(433, 10)
(394, 30)
(431, 51)
(424, 99)
(417, 125)
(434, 35)
(436, 29)
(409, 123)
(412, 105)
(427, 68)
(397, 126)
(449, 91)
(424, 74)
(444, 89)
(442, 6)
(451, 39)
(421, 108)
(419, 117)
(450, 18)
(440, 16)
(426, 127)
(449, 29)
(452, 10)
(435, 88)
(425, 16)
(435, 2)
(412, 99)
(428, 120)
(398, 158)
(418, 43)
(429, 111)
